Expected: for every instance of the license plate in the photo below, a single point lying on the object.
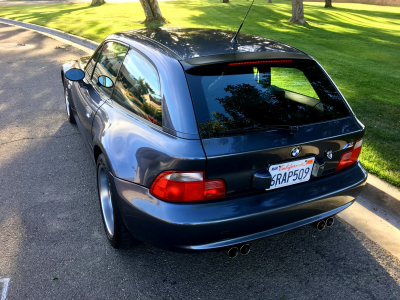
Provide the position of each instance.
(290, 173)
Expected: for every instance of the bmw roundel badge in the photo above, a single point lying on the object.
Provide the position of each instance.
(295, 151)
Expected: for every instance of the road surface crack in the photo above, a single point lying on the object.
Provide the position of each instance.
(39, 137)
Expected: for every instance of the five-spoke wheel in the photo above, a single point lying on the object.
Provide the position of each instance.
(70, 116)
(114, 227)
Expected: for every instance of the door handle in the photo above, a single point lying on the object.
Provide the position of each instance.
(88, 111)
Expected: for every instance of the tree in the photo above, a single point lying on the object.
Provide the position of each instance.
(269, 1)
(152, 11)
(328, 4)
(297, 12)
(97, 2)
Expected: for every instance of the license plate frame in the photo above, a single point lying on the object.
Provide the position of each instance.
(292, 168)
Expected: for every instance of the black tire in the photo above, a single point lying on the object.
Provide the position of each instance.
(119, 237)
(70, 115)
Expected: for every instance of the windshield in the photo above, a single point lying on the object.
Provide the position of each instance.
(237, 95)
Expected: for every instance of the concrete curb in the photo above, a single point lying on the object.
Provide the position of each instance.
(76, 41)
(376, 211)
(383, 195)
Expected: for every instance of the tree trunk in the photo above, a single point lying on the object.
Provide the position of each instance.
(269, 1)
(97, 2)
(328, 4)
(225, 1)
(297, 12)
(152, 11)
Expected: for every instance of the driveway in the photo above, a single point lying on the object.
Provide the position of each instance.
(51, 236)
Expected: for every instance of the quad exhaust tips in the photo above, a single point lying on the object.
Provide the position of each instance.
(245, 249)
(329, 222)
(233, 252)
(320, 225)
(242, 249)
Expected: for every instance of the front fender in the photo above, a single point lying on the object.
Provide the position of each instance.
(64, 68)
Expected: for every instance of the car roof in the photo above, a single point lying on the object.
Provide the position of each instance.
(191, 43)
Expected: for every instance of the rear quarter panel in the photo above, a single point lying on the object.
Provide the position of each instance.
(138, 151)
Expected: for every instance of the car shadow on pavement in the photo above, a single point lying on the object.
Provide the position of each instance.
(62, 237)
(300, 264)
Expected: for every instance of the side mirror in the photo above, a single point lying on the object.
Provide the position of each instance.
(75, 74)
(105, 81)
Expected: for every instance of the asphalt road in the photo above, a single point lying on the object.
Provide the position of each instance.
(50, 223)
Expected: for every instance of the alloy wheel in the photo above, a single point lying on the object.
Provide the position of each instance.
(105, 199)
(67, 103)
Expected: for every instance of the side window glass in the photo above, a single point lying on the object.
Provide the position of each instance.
(138, 88)
(108, 64)
(92, 63)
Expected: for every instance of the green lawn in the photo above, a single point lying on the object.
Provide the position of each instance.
(359, 46)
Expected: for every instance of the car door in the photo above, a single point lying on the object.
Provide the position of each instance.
(90, 95)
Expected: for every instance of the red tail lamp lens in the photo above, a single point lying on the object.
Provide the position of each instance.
(176, 186)
(350, 157)
(260, 62)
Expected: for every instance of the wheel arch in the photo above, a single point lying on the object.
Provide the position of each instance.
(62, 76)
(96, 152)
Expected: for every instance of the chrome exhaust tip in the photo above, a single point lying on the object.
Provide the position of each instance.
(245, 249)
(329, 222)
(233, 252)
(320, 225)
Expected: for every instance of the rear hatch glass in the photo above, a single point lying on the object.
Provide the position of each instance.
(233, 96)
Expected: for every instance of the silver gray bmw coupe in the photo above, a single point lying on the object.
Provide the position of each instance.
(202, 144)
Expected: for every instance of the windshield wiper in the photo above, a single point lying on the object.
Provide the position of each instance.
(290, 128)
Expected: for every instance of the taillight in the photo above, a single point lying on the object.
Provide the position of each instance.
(183, 186)
(350, 157)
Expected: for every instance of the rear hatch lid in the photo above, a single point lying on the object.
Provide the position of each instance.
(256, 114)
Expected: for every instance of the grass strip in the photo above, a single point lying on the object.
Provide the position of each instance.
(358, 44)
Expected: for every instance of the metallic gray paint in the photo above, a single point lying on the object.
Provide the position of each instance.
(137, 151)
(208, 225)
(236, 158)
(86, 99)
(188, 43)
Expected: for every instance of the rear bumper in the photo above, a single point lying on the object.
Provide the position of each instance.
(210, 225)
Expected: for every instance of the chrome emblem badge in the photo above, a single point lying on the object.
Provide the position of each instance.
(349, 145)
(329, 154)
(295, 151)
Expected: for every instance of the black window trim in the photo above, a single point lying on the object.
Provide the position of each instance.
(99, 48)
(337, 89)
(105, 42)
